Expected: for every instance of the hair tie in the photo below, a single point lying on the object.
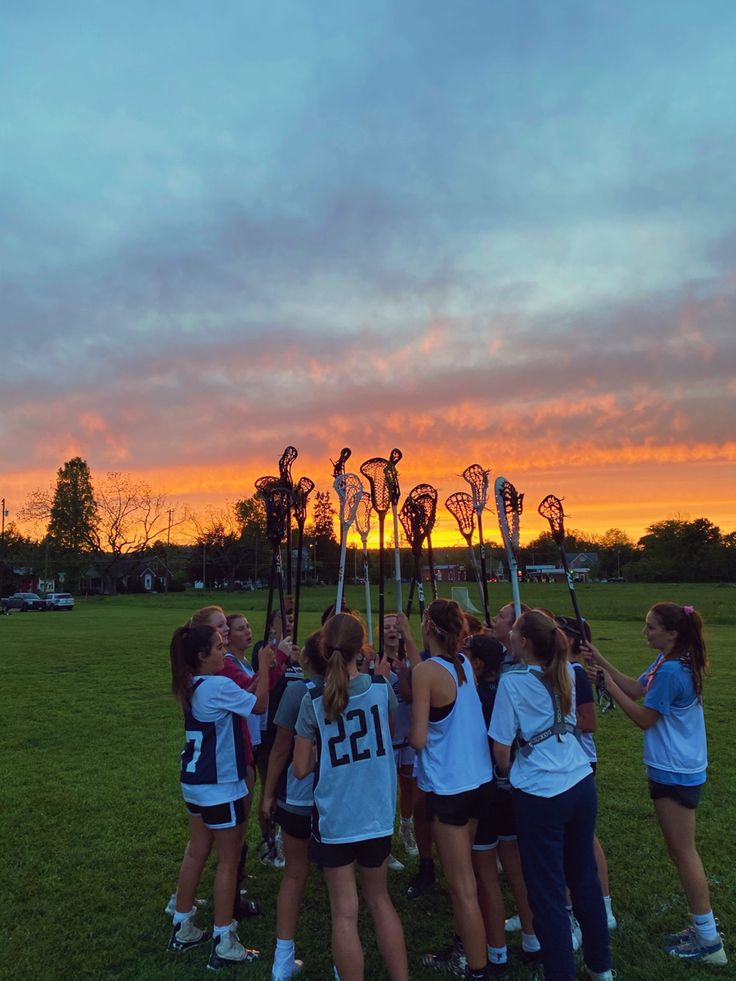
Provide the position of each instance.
(336, 650)
(688, 610)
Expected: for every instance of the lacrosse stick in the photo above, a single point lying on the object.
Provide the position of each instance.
(412, 521)
(460, 506)
(477, 477)
(509, 505)
(363, 525)
(287, 458)
(374, 470)
(338, 466)
(299, 495)
(551, 509)
(392, 477)
(426, 497)
(349, 489)
(276, 500)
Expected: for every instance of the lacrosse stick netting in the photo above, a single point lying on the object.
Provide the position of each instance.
(477, 477)
(363, 526)
(460, 506)
(412, 519)
(392, 476)
(425, 495)
(349, 490)
(509, 505)
(374, 470)
(299, 495)
(287, 458)
(276, 500)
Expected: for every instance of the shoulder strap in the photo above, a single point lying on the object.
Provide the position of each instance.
(559, 727)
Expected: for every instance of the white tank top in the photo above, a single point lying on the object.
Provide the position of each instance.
(456, 756)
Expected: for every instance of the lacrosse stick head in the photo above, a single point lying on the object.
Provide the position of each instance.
(392, 476)
(460, 506)
(299, 494)
(277, 501)
(349, 488)
(412, 521)
(551, 509)
(477, 477)
(338, 466)
(363, 517)
(264, 483)
(425, 495)
(287, 458)
(374, 470)
(510, 506)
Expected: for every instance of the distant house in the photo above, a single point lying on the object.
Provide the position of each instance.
(451, 572)
(583, 565)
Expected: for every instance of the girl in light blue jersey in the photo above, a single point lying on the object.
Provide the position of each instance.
(667, 703)
(354, 795)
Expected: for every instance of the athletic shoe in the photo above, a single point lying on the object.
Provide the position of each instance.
(422, 881)
(170, 907)
(186, 935)
(500, 971)
(288, 972)
(513, 924)
(675, 939)
(268, 854)
(394, 864)
(279, 845)
(406, 833)
(450, 960)
(600, 975)
(577, 933)
(530, 956)
(246, 908)
(694, 949)
(227, 949)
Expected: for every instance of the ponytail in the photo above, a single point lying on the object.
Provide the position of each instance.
(186, 646)
(342, 639)
(550, 647)
(447, 622)
(689, 646)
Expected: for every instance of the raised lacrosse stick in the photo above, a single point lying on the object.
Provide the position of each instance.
(509, 505)
(363, 526)
(287, 458)
(338, 466)
(477, 477)
(393, 482)
(426, 497)
(277, 500)
(460, 506)
(299, 494)
(374, 470)
(412, 521)
(349, 488)
(551, 509)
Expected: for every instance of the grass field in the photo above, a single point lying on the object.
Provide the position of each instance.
(93, 826)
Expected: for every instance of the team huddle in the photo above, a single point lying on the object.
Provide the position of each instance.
(484, 736)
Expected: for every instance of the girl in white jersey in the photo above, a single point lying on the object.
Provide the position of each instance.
(354, 795)
(553, 794)
(213, 785)
(453, 766)
(675, 754)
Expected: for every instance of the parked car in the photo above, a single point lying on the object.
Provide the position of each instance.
(59, 601)
(23, 601)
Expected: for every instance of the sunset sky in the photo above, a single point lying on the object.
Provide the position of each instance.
(493, 232)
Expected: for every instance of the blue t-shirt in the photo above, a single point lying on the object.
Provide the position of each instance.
(675, 747)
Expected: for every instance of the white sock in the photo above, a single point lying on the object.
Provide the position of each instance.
(182, 917)
(284, 952)
(498, 955)
(219, 930)
(705, 926)
(529, 943)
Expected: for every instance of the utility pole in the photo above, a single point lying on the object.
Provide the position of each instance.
(204, 565)
(168, 542)
(3, 515)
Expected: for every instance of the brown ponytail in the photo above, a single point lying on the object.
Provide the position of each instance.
(689, 644)
(550, 647)
(186, 646)
(342, 639)
(447, 622)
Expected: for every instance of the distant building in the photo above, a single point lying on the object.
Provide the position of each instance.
(452, 572)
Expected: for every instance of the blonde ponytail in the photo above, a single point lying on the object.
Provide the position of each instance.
(550, 648)
(342, 639)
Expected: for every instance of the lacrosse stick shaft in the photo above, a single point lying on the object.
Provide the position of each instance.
(430, 563)
(298, 587)
(367, 587)
(381, 598)
(288, 550)
(269, 605)
(483, 570)
(397, 560)
(280, 582)
(476, 570)
(341, 573)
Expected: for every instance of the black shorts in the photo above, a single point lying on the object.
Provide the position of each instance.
(685, 796)
(296, 825)
(486, 838)
(220, 816)
(460, 808)
(370, 853)
(501, 817)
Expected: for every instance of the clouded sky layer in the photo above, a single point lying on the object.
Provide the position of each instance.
(483, 232)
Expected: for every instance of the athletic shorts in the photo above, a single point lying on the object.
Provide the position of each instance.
(296, 825)
(501, 816)
(486, 838)
(371, 854)
(458, 809)
(405, 756)
(220, 816)
(685, 796)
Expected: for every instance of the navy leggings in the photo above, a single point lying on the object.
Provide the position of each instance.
(556, 845)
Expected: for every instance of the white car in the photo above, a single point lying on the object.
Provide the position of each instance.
(59, 601)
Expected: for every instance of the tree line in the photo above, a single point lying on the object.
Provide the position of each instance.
(106, 535)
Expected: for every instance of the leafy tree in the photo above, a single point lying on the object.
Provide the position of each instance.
(322, 532)
(250, 515)
(73, 515)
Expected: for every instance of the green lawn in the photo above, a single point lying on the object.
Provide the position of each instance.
(93, 826)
